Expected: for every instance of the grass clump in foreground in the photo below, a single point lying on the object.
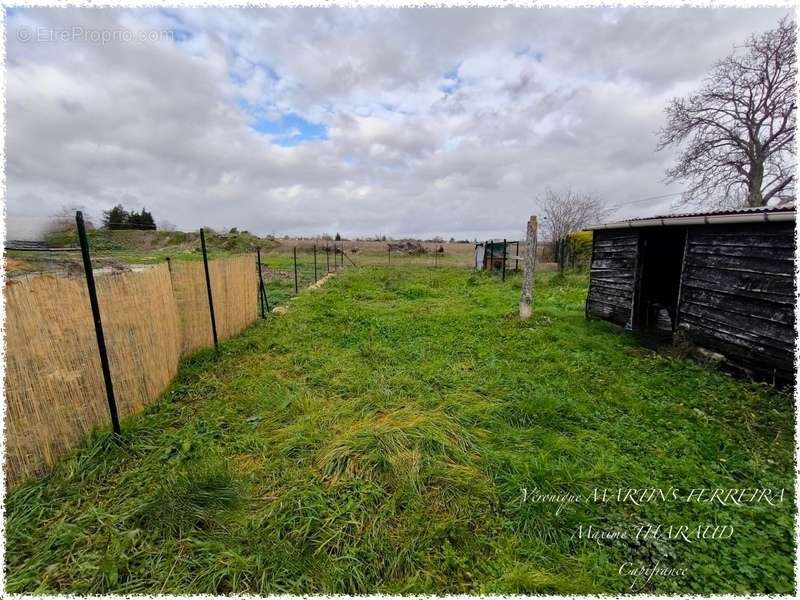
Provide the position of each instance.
(377, 438)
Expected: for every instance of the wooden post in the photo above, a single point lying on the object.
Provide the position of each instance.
(528, 267)
(491, 256)
(327, 258)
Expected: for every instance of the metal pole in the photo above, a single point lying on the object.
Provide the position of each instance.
(315, 263)
(491, 256)
(294, 251)
(98, 324)
(208, 287)
(262, 292)
(516, 259)
(327, 258)
(504, 259)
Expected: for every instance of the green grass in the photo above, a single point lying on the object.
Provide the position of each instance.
(376, 438)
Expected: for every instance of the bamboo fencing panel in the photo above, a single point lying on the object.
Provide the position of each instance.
(142, 331)
(54, 387)
(234, 284)
(189, 290)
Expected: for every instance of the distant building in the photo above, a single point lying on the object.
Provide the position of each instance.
(725, 279)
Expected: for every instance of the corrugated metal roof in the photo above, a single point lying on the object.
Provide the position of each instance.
(738, 211)
(785, 212)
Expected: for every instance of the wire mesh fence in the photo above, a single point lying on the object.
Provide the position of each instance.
(83, 349)
(287, 273)
(65, 326)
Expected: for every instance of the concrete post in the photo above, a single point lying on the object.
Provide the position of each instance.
(528, 267)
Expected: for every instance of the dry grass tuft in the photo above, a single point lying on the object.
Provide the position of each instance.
(398, 449)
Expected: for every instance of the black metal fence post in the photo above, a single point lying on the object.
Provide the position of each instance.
(491, 256)
(262, 292)
(327, 257)
(98, 324)
(516, 258)
(208, 288)
(315, 263)
(294, 252)
(505, 252)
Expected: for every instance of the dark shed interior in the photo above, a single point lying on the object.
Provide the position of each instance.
(727, 286)
(661, 262)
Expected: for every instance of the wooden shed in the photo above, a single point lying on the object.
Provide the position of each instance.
(725, 279)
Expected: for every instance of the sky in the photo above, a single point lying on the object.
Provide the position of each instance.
(396, 122)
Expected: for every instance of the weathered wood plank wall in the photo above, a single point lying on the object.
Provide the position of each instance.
(738, 294)
(613, 276)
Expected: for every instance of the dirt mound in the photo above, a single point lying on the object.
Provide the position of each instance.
(407, 247)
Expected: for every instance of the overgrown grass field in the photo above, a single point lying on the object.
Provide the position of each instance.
(378, 438)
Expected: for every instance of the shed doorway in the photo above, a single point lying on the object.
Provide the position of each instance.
(661, 263)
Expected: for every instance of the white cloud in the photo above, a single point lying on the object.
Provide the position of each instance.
(438, 121)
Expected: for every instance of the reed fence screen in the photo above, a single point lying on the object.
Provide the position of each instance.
(151, 318)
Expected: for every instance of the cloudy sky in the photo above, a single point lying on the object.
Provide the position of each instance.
(390, 121)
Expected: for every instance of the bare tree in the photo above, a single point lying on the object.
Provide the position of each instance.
(64, 218)
(739, 128)
(565, 212)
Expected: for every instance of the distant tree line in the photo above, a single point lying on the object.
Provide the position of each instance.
(119, 218)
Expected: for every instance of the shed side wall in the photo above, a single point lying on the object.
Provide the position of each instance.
(738, 294)
(612, 277)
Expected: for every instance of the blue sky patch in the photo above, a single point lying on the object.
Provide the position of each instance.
(538, 56)
(181, 35)
(290, 129)
(179, 31)
(453, 80)
(245, 68)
